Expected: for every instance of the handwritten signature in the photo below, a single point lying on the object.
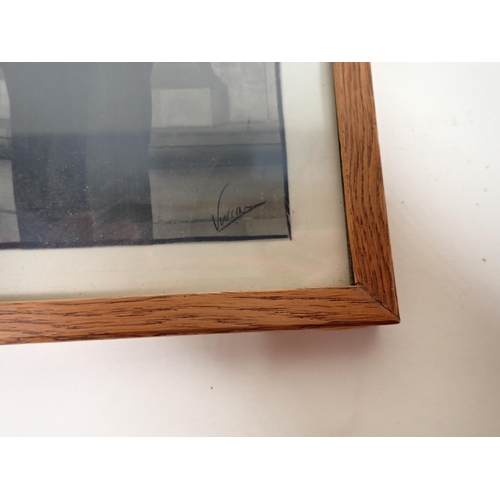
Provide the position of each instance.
(221, 221)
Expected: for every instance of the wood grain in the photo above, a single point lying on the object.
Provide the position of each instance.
(366, 214)
(45, 321)
(370, 301)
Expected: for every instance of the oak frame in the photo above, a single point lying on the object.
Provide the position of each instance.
(371, 300)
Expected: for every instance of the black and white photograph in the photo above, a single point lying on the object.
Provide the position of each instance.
(101, 154)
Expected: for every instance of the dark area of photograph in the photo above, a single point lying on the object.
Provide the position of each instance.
(140, 153)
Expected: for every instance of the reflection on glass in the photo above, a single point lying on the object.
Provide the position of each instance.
(140, 153)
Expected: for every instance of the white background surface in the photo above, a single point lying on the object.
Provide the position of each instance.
(437, 373)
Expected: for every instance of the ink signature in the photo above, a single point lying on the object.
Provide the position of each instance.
(221, 221)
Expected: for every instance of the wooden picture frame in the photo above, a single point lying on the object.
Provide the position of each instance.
(370, 300)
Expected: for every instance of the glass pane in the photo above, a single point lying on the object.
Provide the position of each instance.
(139, 178)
